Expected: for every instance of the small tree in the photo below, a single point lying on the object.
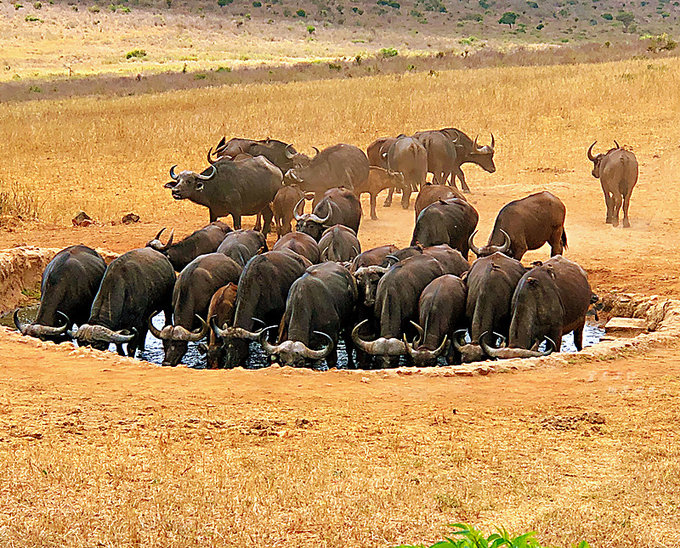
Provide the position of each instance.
(508, 18)
(626, 18)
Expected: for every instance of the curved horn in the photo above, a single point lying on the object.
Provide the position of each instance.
(617, 144)
(509, 353)
(358, 341)
(506, 244)
(180, 333)
(211, 160)
(173, 174)
(590, 152)
(472, 245)
(457, 337)
(208, 177)
(198, 334)
(100, 333)
(213, 324)
(314, 217)
(157, 237)
(356, 251)
(22, 327)
(316, 150)
(493, 142)
(440, 349)
(266, 345)
(421, 333)
(475, 145)
(299, 217)
(319, 354)
(154, 331)
(39, 330)
(290, 155)
(392, 258)
(429, 353)
(221, 144)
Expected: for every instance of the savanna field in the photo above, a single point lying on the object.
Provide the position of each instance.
(103, 451)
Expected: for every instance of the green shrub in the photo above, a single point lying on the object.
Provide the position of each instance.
(484, 4)
(540, 26)
(37, 5)
(508, 18)
(135, 54)
(301, 13)
(35, 89)
(469, 537)
(388, 52)
(389, 3)
(660, 42)
(257, 4)
(533, 5)
(32, 19)
(358, 11)
(607, 16)
(334, 66)
(310, 29)
(93, 9)
(200, 76)
(222, 3)
(223, 69)
(18, 6)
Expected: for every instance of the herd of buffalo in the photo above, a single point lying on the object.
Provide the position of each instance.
(425, 302)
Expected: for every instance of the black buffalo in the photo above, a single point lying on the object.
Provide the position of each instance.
(339, 206)
(134, 286)
(261, 296)
(441, 154)
(282, 155)
(231, 188)
(202, 241)
(409, 157)
(449, 222)
(319, 308)
(339, 243)
(336, 166)
(527, 224)
(242, 245)
(441, 312)
(430, 194)
(300, 243)
(617, 171)
(69, 284)
(396, 304)
(468, 150)
(377, 151)
(549, 301)
(191, 296)
(367, 270)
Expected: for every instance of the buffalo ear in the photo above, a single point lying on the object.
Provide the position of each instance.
(199, 186)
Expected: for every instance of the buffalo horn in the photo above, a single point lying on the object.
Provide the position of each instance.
(509, 353)
(207, 177)
(289, 154)
(316, 150)
(506, 244)
(154, 331)
(173, 174)
(89, 332)
(493, 142)
(316, 218)
(421, 333)
(211, 160)
(361, 344)
(617, 144)
(266, 345)
(392, 258)
(432, 353)
(472, 245)
(38, 330)
(590, 152)
(323, 352)
(299, 217)
(457, 337)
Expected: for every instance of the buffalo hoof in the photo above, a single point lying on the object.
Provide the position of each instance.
(466, 190)
(387, 204)
(374, 217)
(626, 223)
(615, 223)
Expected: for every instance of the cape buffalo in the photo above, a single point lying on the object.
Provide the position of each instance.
(339, 243)
(441, 312)
(449, 222)
(376, 151)
(242, 245)
(336, 166)
(430, 194)
(319, 307)
(220, 312)
(191, 296)
(282, 155)
(409, 157)
(300, 243)
(367, 271)
(372, 257)
(261, 295)
(527, 224)
(339, 206)
(618, 173)
(468, 150)
(441, 154)
(283, 205)
(202, 241)
(549, 301)
(69, 284)
(396, 304)
(135, 285)
(378, 180)
(239, 188)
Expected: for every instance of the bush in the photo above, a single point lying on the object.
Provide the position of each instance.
(660, 42)
(200, 76)
(311, 29)
(301, 13)
(257, 4)
(540, 26)
(608, 16)
(32, 19)
(469, 537)
(37, 5)
(135, 54)
(389, 3)
(388, 52)
(223, 69)
(223, 3)
(533, 5)
(508, 18)
(334, 66)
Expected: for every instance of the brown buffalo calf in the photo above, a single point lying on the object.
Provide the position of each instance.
(220, 312)
(378, 180)
(283, 206)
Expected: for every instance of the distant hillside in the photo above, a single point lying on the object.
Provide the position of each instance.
(48, 39)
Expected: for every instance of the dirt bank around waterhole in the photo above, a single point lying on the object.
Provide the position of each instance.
(21, 268)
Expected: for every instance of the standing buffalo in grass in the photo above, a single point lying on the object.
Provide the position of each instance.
(135, 285)
(191, 296)
(69, 284)
(300, 243)
(408, 156)
(377, 151)
(441, 154)
(319, 307)
(283, 207)
(441, 312)
(242, 245)
(339, 207)
(527, 224)
(468, 151)
(261, 297)
(340, 244)
(430, 194)
(617, 171)
(449, 222)
(202, 241)
(549, 301)
(336, 166)
(282, 155)
(231, 188)
(378, 180)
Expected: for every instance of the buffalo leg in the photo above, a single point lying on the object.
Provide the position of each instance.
(213, 216)
(237, 220)
(267, 214)
(349, 347)
(332, 358)
(258, 222)
(616, 208)
(461, 176)
(626, 203)
(556, 247)
(608, 201)
(578, 337)
(374, 199)
(388, 200)
(119, 349)
(406, 198)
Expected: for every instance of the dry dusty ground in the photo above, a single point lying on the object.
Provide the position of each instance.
(99, 450)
